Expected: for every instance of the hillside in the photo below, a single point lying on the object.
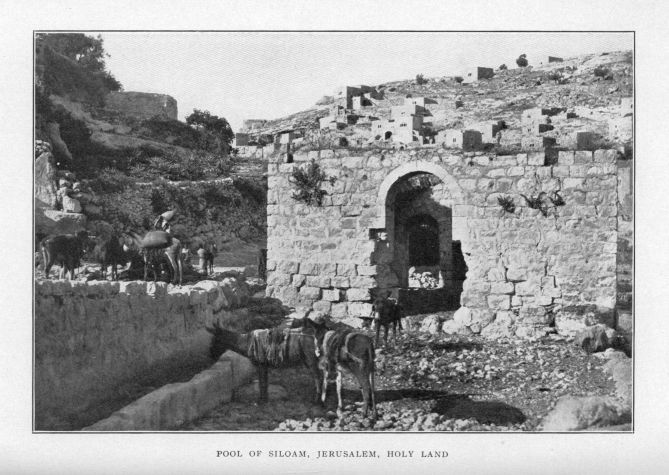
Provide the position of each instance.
(584, 92)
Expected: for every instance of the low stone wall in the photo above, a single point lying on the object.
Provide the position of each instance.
(98, 340)
(174, 405)
(527, 271)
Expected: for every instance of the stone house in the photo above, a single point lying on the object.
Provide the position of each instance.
(476, 74)
(507, 274)
(488, 130)
(536, 143)
(466, 140)
(554, 59)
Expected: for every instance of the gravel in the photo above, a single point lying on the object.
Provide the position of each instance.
(434, 383)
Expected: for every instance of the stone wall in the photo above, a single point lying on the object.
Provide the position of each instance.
(96, 340)
(526, 272)
(142, 105)
(625, 263)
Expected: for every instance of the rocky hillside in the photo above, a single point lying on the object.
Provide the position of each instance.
(584, 93)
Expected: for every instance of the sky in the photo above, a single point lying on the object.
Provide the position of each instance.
(267, 75)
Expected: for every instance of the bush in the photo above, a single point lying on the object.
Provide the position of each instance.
(602, 72)
(459, 79)
(503, 67)
(110, 180)
(308, 183)
(521, 61)
(420, 79)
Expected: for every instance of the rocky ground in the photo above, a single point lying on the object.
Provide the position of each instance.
(440, 383)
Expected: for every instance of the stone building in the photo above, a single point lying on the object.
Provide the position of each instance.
(476, 74)
(241, 139)
(537, 143)
(522, 273)
(554, 59)
(467, 140)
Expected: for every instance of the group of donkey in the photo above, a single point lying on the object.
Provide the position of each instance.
(326, 348)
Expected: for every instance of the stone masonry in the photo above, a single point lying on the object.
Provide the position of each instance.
(526, 272)
(94, 340)
(143, 105)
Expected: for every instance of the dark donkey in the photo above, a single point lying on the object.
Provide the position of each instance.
(342, 348)
(276, 348)
(153, 245)
(386, 312)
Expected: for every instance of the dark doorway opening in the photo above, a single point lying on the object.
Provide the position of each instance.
(423, 240)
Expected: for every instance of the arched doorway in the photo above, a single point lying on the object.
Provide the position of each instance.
(418, 258)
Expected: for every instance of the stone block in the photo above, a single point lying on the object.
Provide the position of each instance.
(463, 316)
(357, 294)
(363, 281)
(536, 158)
(499, 302)
(322, 306)
(566, 158)
(528, 287)
(313, 155)
(543, 300)
(521, 158)
(298, 280)
(569, 183)
(606, 156)
(313, 293)
(578, 171)
(367, 270)
(341, 282)
(309, 268)
(346, 270)
(515, 171)
(353, 162)
(516, 301)
(357, 309)
(502, 287)
(339, 310)
(332, 295)
(561, 171)
(130, 288)
(349, 223)
(287, 267)
(582, 157)
(318, 281)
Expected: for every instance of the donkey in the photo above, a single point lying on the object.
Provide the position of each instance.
(276, 348)
(386, 312)
(341, 349)
(65, 250)
(154, 245)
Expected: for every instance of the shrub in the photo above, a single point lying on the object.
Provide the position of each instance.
(602, 72)
(459, 79)
(308, 183)
(420, 79)
(503, 67)
(506, 202)
(521, 61)
(110, 180)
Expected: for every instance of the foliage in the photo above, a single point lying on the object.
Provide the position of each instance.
(503, 67)
(308, 183)
(420, 79)
(73, 64)
(176, 132)
(521, 61)
(507, 204)
(602, 72)
(110, 180)
(174, 166)
(217, 134)
(536, 202)
(459, 79)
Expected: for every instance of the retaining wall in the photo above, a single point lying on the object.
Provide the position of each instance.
(96, 341)
(526, 271)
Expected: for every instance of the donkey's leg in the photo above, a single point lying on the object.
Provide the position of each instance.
(340, 402)
(372, 396)
(363, 381)
(377, 324)
(385, 335)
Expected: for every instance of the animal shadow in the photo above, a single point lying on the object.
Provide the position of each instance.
(453, 345)
(460, 406)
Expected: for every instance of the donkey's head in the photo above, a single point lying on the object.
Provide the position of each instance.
(221, 341)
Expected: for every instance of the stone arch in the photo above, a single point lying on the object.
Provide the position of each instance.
(419, 166)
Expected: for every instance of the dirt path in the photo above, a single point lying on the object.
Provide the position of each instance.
(434, 383)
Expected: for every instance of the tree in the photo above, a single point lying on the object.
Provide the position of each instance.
(420, 79)
(73, 64)
(522, 60)
(503, 67)
(216, 131)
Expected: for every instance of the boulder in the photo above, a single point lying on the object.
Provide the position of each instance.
(431, 324)
(48, 221)
(581, 413)
(596, 338)
(45, 179)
